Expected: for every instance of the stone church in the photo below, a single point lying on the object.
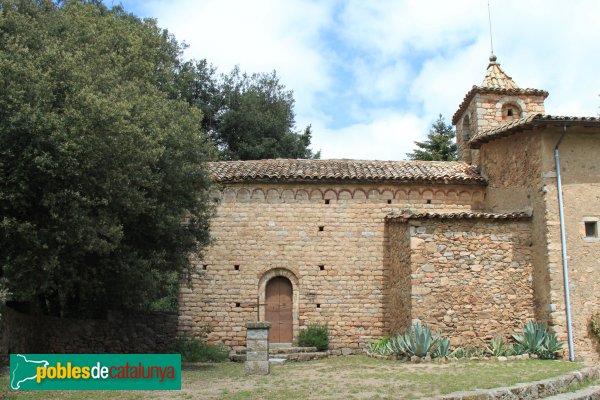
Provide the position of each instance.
(471, 248)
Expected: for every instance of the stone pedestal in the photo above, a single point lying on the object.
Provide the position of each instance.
(257, 348)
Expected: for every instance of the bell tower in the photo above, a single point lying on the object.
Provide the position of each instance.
(498, 101)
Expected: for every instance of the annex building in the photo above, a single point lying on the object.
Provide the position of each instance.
(471, 248)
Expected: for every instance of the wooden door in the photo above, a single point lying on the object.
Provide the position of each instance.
(279, 309)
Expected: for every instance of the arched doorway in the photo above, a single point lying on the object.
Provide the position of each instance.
(279, 306)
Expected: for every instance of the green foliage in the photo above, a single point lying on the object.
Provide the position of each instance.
(550, 347)
(99, 160)
(532, 339)
(442, 348)
(595, 325)
(170, 301)
(499, 347)
(439, 145)
(419, 341)
(315, 335)
(537, 340)
(195, 350)
(248, 117)
(467, 352)
(380, 346)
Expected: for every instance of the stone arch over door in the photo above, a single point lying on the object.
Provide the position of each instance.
(262, 295)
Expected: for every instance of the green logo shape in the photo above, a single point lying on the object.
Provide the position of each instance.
(95, 371)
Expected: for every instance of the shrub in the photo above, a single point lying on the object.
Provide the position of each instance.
(195, 350)
(467, 352)
(380, 346)
(499, 347)
(315, 335)
(595, 325)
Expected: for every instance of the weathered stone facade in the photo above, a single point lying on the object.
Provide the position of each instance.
(470, 279)
(273, 230)
(471, 248)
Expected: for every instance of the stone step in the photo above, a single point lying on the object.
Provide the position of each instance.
(317, 355)
(291, 350)
(277, 361)
(588, 393)
(281, 358)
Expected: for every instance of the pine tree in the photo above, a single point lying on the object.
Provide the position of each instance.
(439, 146)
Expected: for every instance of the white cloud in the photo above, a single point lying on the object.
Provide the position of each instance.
(352, 60)
(388, 137)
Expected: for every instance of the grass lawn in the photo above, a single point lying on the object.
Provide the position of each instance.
(353, 377)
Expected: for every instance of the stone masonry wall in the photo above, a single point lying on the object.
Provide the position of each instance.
(580, 173)
(399, 277)
(513, 168)
(119, 333)
(338, 274)
(485, 113)
(471, 279)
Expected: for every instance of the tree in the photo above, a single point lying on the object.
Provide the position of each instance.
(439, 146)
(99, 160)
(248, 117)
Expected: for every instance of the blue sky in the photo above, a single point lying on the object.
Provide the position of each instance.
(371, 76)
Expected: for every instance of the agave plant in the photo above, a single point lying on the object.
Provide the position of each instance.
(442, 349)
(499, 347)
(396, 346)
(419, 341)
(550, 347)
(380, 346)
(532, 339)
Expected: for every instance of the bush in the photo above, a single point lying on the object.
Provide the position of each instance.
(380, 346)
(195, 350)
(315, 335)
(595, 325)
(499, 347)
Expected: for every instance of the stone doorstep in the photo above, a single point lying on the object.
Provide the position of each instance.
(546, 388)
(298, 356)
(291, 350)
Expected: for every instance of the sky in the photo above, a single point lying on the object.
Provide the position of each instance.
(371, 76)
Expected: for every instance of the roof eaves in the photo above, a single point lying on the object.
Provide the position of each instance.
(404, 217)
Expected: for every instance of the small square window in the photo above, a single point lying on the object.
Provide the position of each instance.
(322, 267)
(321, 228)
(326, 201)
(591, 229)
(389, 201)
(236, 267)
(318, 305)
(509, 112)
(238, 304)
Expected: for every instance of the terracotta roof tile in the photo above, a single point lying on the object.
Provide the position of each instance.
(528, 123)
(460, 215)
(345, 170)
(498, 82)
(496, 78)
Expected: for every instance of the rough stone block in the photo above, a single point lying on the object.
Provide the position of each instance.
(257, 367)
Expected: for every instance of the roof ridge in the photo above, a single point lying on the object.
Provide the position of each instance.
(345, 170)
